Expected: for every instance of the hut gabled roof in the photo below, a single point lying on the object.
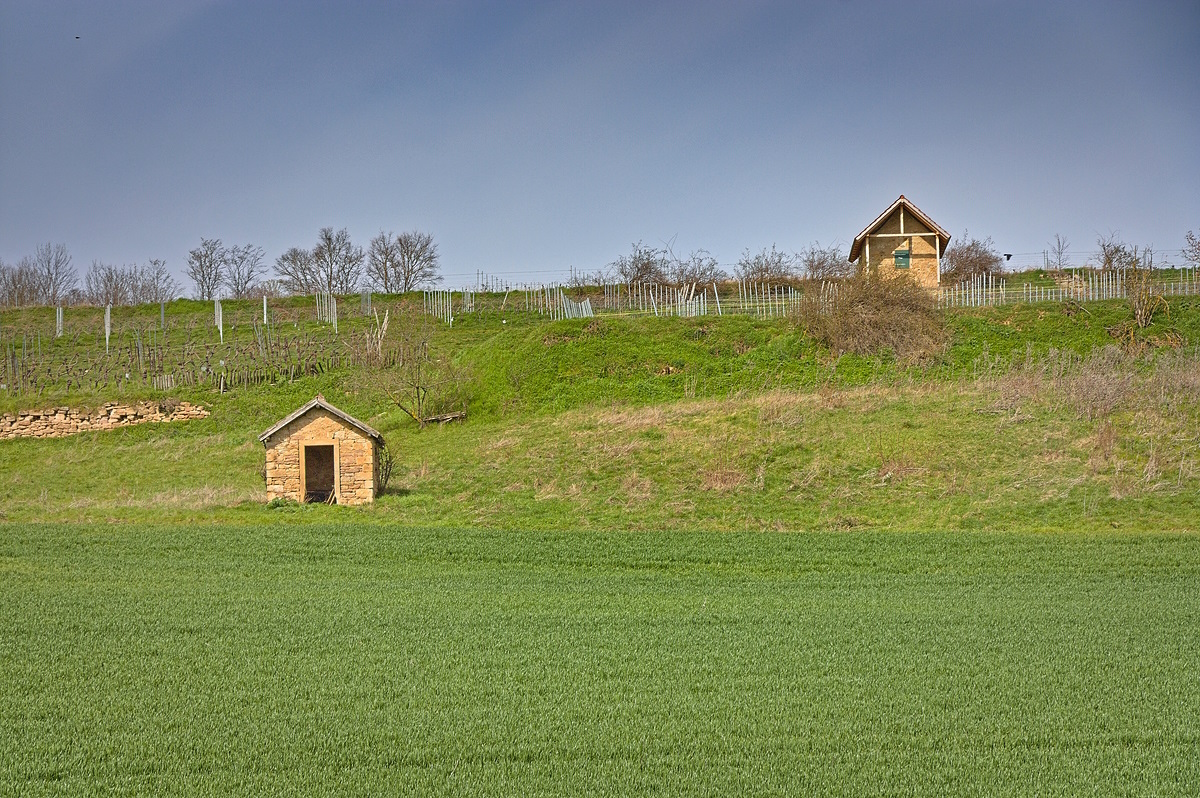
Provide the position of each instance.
(879, 220)
(319, 401)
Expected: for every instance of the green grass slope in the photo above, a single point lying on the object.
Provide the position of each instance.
(1032, 419)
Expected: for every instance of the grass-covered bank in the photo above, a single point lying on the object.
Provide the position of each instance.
(350, 659)
(1100, 443)
(1031, 418)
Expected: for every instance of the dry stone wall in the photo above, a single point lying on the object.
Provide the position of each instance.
(59, 422)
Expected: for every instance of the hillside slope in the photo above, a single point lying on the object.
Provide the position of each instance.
(1032, 418)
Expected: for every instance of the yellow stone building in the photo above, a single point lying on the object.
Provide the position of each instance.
(902, 240)
(320, 453)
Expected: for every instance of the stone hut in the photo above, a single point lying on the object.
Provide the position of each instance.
(902, 240)
(321, 454)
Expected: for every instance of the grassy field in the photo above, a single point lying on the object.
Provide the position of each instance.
(350, 660)
(675, 556)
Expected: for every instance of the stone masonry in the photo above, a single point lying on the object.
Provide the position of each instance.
(356, 457)
(59, 422)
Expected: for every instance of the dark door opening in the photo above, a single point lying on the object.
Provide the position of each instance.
(318, 474)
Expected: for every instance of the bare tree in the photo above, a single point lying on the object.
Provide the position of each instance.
(419, 261)
(1143, 292)
(383, 256)
(19, 284)
(205, 266)
(643, 265)
(428, 388)
(337, 263)
(242, 267)
(1115, 253)
(969, 257)
(825, 263)
(700, 268)
(296, 272)
(56, 276)
(767, 264)
(1059, 254)
(152, 283)
(401, 263)
(267, 288)
(106, 284)
(1191, 249)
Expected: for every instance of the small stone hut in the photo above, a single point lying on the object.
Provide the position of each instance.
(321, 454)
(902, 240)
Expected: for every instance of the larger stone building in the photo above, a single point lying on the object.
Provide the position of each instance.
(902, 240)
(321, 454)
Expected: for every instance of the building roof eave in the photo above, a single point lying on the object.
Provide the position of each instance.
(856, 245)
(319, 401)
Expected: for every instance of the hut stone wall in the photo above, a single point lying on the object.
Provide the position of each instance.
(355, 454)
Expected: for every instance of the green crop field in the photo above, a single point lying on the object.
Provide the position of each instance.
(661, 555)
(364, 660)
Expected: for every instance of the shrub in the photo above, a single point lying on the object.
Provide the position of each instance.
(1144, 293)
(825, 263)
(869, 315)
(970, 257)
(767, 265)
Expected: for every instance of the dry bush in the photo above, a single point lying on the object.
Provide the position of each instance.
(970, 257)
(768, 265)
(1096, 392)
(1108, 380)
(1145, 294)
(871, 314)
(825, 263)
(1175, 381)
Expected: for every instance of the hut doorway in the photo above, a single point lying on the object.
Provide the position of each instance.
(320, 473)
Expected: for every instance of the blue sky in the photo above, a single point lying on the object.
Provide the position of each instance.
(532, 137)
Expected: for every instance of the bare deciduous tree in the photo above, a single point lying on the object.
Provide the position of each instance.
(643, 265)
(337, 263)
(47, 278)
(1115, 253)
(296, 272)
(969, 257)
(18, 284)
(56, 276)
(699, 268)
(267, 288)
(825, 263)
(1142, 290)
(401, 263)
(767, 264)
(152, 283)
(1191, 249)
(242, 267)
(106, 284)
(428, 388)
(1058, 257)
(205, 265)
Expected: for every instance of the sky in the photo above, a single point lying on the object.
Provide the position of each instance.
(532, 138)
